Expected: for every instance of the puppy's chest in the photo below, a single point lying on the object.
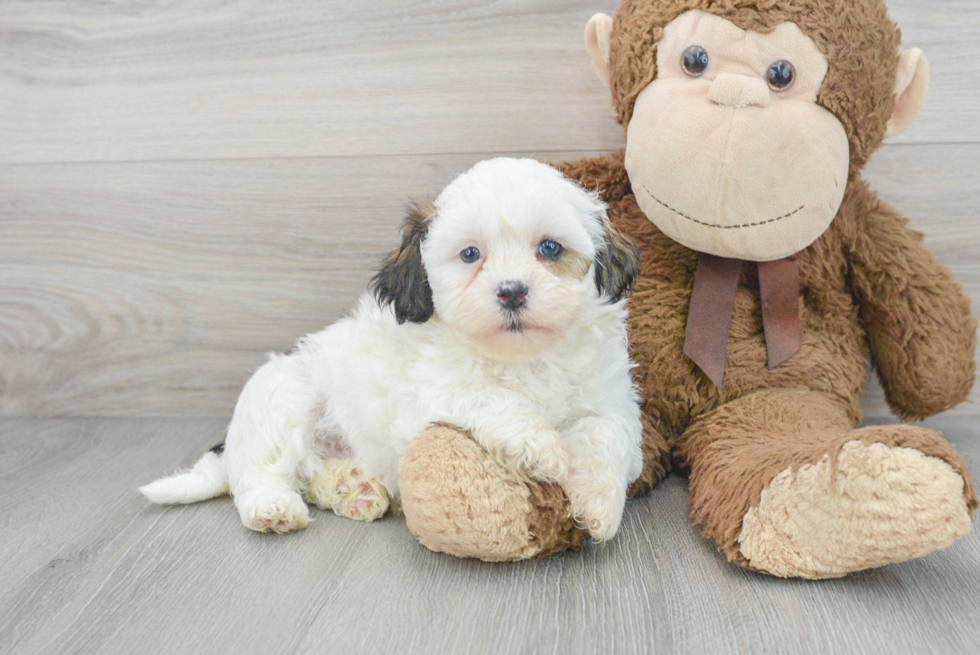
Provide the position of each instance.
(555, 393)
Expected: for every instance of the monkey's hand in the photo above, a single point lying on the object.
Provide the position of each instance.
(916, 316)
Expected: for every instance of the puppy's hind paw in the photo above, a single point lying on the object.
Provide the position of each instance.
(367, 502)
(343, 488)
(273, 511)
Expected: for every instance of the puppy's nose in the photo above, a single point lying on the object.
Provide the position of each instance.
(512, 295)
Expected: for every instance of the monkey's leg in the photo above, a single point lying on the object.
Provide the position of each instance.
(458, 500)
(784, 484)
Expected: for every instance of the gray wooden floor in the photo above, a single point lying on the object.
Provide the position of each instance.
(87, 566)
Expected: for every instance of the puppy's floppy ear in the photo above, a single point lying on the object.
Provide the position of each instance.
(402, 281)
(617, 263)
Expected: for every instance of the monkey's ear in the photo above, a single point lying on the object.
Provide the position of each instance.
(617, 264)
(597, 41)
(911, 85)
(402, 281)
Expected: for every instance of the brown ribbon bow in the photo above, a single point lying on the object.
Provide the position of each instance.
(713, 299)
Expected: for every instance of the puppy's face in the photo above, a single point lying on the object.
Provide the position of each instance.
(509, 255)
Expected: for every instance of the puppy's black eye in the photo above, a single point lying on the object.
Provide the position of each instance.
(550, 250)
(781, 75)
(470, 255)
(694, 61)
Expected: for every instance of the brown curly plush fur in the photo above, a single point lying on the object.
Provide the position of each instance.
(743, 444)
(868, 287)
(866, 282)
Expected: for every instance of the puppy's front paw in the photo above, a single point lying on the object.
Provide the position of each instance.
(273, 510)
(537, 456)
(344, 488)
(597, 502)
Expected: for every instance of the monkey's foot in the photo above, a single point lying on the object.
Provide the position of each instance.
(871, 505)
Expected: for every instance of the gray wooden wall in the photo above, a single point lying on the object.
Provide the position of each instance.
(188, 184)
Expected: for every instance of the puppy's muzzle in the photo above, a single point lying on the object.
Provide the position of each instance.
(512, 295)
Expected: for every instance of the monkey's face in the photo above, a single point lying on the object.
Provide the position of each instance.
(728, 151)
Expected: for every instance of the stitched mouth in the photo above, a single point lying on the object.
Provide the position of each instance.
(716, 225)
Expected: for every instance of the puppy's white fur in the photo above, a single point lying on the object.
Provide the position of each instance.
(546, 389)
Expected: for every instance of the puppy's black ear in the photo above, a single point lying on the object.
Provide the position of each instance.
(402, 281)
(616, 264)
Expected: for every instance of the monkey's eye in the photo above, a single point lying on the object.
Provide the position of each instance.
(470, 255)
(550, 250)
(694, 61)
(781, 75)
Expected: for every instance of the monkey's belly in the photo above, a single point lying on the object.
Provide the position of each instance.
(831, 359)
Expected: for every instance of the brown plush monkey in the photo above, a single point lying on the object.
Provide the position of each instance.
(770, 272)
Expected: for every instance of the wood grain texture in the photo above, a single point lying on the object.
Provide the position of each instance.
(185, 186)
(149, 289)
(87, 566)
(142, 289)
(305, 78)
(246, 79)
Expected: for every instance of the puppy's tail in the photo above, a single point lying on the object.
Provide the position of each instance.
(206, 479)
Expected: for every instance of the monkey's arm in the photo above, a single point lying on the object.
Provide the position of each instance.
(916, 316)
(605, 174)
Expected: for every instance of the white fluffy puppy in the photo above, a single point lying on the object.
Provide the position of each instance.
(501, 314)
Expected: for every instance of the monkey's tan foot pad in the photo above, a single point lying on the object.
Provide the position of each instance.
(875, 505)
(458, 500)
(343, 488)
